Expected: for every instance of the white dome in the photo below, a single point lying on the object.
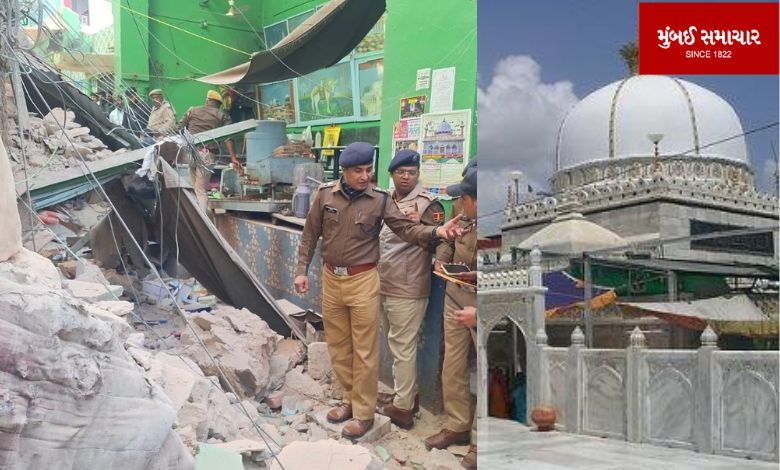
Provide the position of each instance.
(614, 122)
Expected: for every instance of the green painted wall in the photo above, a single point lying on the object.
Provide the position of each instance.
(426, 34)
(150, 54)
(191, 43)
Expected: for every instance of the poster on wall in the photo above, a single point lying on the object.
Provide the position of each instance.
(406, 135)
(423, 81)
(276, 101)
(444, 148)
(412, 106)
(370, 83)
(407, 129)
(442, 90)
(326, 93)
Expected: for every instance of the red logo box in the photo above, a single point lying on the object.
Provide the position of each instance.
(708, 38)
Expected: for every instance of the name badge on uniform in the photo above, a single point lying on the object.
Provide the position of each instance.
(331, 210)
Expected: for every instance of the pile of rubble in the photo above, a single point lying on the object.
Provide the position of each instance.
(265, 408)
(47, 146)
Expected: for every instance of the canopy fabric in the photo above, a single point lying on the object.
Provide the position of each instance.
(571, 234)
(564, 292)
(726, 315)
(319, 42)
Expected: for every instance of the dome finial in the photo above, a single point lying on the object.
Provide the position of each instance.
(630, 54)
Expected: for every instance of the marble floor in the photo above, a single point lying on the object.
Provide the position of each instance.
(507, 445)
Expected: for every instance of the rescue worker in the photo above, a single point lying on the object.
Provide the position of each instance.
(459, 327)
(349, 213)
(204, 118)
(162, 118)
(405, 284)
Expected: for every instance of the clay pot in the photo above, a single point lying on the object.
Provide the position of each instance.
(544, 418)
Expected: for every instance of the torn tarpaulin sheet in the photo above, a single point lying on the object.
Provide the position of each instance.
(209, 258)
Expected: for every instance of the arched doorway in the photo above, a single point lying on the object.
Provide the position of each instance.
(507, 371)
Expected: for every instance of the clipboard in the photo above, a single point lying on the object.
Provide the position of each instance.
(455, 280)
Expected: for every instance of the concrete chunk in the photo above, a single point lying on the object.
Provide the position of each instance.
(91, 292)
(325, 455)
(319, 361)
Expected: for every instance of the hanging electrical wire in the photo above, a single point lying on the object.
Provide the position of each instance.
(153, 269)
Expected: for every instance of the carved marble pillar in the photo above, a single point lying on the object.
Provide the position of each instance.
(707, 427)
(574, 382)
(634, 398)
(483, 332)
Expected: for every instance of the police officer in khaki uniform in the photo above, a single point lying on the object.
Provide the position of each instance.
(459, 328)
(405, 284)
(204, 118)
(162, 118)
(348, 213)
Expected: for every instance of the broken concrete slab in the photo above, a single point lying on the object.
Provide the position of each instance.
(119, 308)
(295, 380)
(291, 349)
(244, 446)
(240, 341)
(325, 455)
(58, 115)
(316, 433)
(88, 272)
(91, 292)
(74, 360)
(441, 460)
(288, 354)
(380, 428)
(319, 365)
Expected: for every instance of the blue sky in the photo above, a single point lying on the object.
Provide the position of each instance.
(573, 46)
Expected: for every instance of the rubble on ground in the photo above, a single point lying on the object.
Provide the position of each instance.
(284, 387)
(72, 397)
(325, 455)
(53, 142)
(240, 341)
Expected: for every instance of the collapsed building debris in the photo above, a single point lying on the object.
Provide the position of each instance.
(47, 141)
(90, 380)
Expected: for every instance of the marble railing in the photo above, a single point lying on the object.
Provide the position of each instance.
(611, 192)
(706, 400)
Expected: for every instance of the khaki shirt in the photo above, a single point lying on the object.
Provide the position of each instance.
(350, 229)
(404, 268)
(461, 251)
(162, 119)
(205, 118)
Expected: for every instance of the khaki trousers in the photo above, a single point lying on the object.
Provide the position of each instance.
(455, 373)
(200, 178)
(401, 321)
(349, 313)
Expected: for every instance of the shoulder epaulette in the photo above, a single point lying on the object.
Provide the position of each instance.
(428, 195)
(328, 185)
(381, 190)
